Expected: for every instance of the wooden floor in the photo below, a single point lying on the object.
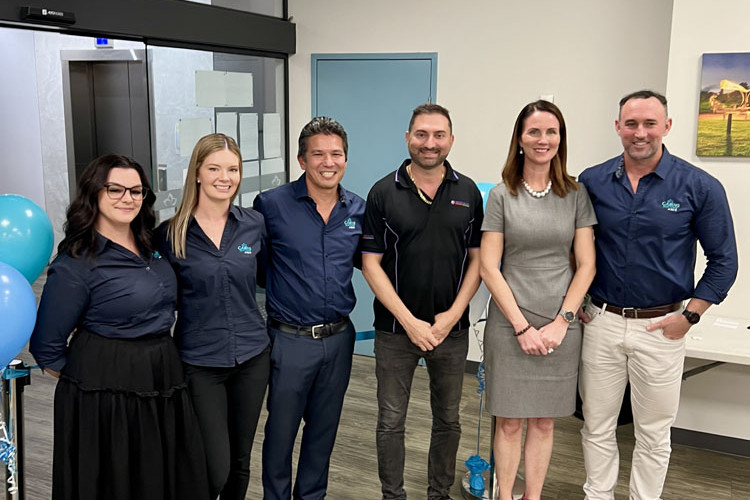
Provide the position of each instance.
(694, 474)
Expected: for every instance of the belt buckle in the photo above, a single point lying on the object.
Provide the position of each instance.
(317, 335)
(625, 310)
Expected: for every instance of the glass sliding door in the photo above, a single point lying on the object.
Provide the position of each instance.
(194, 93)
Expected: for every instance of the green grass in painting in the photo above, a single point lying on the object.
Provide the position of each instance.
(712, 138)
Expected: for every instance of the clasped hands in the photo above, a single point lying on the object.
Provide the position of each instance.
(543, 341)
(428, 336)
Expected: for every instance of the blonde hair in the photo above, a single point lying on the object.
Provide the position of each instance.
(177, 230)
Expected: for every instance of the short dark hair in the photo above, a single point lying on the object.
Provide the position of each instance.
(80, 225)
(321, 125)
(645, 94)
(429, 109)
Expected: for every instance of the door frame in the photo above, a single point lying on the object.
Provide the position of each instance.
(95, 55)
(315, 58)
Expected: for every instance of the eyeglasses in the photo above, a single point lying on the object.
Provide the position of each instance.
(115, 191)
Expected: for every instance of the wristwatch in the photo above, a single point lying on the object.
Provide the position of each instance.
(567, 315)
(692, 316)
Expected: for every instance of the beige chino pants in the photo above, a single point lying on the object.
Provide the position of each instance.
(615, 350)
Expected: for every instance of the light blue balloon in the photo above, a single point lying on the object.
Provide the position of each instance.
(26, 236)
(17, 313)
(484, 188)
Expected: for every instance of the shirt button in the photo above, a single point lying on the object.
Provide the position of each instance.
(148, 268)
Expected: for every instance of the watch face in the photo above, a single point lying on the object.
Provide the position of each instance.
(691, 316)
(568, 316)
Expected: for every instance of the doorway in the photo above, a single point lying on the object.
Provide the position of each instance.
(105, 97)
(372, 96)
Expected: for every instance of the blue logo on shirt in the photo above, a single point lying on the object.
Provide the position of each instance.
(245, 248)
(157, 255)
(350, 224)
(670, 205)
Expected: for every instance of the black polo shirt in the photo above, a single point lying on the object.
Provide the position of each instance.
(424, 247)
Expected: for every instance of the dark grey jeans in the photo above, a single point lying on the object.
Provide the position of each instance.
(395, 360)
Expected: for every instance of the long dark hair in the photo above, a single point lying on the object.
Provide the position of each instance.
(79, 227)
(562, 182)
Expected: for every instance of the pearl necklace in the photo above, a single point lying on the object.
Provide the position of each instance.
(419, 191)
(536, 194)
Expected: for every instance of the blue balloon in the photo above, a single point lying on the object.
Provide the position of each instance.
(484, 188)
(26, 236)
(17, 313)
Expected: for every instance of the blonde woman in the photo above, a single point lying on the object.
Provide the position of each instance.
(534, 219)
(214, 247)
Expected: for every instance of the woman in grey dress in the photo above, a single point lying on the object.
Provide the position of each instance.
(535, 220)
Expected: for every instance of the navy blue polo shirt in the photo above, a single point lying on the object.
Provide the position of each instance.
(646, 241)
(218, 321)
(310, 263)
(117, 294)
(424, 247)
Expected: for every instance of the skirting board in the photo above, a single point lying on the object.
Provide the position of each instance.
(706, 441)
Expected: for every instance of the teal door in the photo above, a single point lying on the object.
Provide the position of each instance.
(372, 96)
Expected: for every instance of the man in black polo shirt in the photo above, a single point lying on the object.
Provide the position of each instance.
(421, 258)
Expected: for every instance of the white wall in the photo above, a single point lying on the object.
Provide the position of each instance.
(715, 401)
(20, 141)
(494, 57)
(694, 33)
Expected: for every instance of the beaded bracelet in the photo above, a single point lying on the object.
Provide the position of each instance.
(518, 334)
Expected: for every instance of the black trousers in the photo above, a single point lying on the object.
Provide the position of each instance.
(227, 402)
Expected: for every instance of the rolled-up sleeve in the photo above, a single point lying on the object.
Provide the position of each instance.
(715, 231)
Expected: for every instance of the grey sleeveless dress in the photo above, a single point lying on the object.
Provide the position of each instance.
(538, 238)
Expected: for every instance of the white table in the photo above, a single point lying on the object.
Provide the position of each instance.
(719, 339)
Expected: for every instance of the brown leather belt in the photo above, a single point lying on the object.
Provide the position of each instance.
(637, 313)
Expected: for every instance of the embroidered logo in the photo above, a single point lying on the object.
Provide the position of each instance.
(460, 203)
(157, 255)
(245, 248)
(350, 224)
(670, 205)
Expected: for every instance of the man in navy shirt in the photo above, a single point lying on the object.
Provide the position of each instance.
(421, 259)
(652, 208)
(314, 227)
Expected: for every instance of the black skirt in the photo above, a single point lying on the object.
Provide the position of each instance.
(124, 423)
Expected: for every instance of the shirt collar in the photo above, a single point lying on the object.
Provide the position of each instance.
(402, 176)
(299, 188)
(101, 243)
(662, 168)
(234, 212)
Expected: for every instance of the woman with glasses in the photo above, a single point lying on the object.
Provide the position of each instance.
(124, 425)
(214, 247)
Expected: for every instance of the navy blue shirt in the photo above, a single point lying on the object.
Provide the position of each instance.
(425, 248)
(218, 321)
(310, 263)
(118, 294)
(646, 241)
